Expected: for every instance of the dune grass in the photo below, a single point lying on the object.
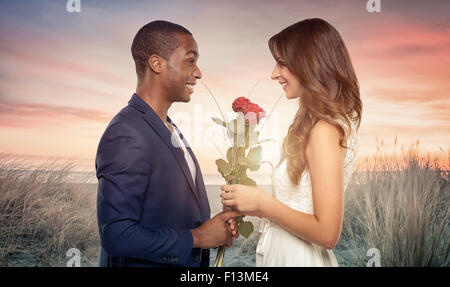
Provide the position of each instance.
(43, 214)
(399, 205)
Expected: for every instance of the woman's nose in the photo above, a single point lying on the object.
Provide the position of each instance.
(275, 73)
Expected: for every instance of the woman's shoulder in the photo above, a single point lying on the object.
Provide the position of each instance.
(323, 143)
(323, 130)
(348, 125)
(322, 135)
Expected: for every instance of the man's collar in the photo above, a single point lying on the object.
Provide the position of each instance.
(140, 105)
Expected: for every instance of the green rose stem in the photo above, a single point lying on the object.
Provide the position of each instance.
(221, 252)
(234, 170)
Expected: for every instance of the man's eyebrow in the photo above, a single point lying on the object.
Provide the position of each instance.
(192, 52)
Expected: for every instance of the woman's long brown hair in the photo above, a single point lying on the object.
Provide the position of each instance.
(314, 51)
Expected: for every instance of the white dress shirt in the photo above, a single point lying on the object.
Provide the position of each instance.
(178, 142)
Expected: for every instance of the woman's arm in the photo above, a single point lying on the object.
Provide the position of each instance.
(325, 162)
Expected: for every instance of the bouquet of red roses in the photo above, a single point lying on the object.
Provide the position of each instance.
(244, 154)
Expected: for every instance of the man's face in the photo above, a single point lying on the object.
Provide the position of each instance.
(182, 70)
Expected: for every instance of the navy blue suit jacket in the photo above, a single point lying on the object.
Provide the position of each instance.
(147, 201)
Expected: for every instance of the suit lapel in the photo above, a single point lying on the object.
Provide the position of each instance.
(199, 184)
(201, 187)
(160, 128)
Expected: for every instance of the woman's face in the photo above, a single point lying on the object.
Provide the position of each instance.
(288, 80)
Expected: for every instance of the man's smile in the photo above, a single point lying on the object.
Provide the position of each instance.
(190, 87)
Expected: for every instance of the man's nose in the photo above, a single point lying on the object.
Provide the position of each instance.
(197, 74)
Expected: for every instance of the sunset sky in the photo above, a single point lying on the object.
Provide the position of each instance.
(63, 75)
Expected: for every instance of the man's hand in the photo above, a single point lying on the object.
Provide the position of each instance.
(232, 224)
(214, 232)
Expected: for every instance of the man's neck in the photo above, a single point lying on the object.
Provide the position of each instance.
(155, 99)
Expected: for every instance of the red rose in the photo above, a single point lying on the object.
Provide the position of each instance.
(240, 104)
(251, 110)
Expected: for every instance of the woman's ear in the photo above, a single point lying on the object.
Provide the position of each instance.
(155, 63)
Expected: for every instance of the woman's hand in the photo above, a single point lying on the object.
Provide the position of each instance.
(244, 198)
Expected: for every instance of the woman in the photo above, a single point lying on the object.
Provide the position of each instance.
(303, 220)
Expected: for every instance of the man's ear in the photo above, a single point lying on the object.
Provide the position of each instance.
(155, 63)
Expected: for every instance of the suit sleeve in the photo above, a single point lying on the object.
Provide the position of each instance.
(123, 172)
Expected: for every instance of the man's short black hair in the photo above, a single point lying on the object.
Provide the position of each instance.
(155, 38)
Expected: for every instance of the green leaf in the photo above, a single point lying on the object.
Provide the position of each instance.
(219, 121)
(248, 181)
(233, 177)
(229, 178)
(253, 167)
(245, 228)
(242, 172)
(254, 156)
(223, 167)
(240, 155)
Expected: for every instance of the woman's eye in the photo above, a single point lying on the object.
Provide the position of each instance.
(280, 61)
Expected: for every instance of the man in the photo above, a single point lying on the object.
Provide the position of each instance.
(152, 206)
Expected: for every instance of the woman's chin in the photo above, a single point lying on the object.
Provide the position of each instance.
(290, 97)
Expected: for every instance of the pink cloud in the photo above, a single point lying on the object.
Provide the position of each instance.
(83, 67)
(420, 95)
(396, 45)
(32, 115)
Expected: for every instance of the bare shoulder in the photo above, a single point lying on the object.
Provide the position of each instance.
(324, 137)
(323, 131)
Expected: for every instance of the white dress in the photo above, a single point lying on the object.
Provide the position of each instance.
(277, 247)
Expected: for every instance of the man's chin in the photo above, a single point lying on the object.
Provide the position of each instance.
(183, 100)
(186, 99)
